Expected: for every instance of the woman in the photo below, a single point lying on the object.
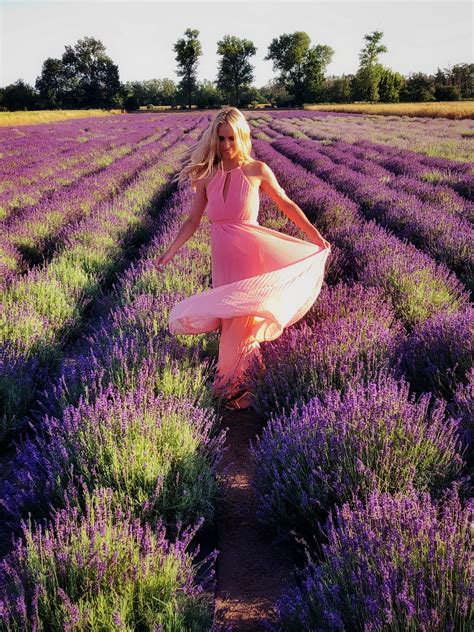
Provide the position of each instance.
(262, 280)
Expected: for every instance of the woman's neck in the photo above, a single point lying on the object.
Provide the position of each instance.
(231, 164)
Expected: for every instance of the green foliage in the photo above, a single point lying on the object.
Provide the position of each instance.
(301, 67)
(131, 103)
(365, 86)
(188, 50)
(447, 93)
(85, 77)
(235, 72)
(19, 96)
(153, 91)
(419, 88)
(207, 95)
(389, 86)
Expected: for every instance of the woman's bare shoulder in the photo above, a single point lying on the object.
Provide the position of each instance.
(253, 168)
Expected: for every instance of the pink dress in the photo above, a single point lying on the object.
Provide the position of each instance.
(262, 280)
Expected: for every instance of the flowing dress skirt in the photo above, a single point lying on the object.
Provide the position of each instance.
(263, 281)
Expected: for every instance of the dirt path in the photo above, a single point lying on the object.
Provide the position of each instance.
(251, 569)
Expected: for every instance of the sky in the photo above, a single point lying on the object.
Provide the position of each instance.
(139, 36)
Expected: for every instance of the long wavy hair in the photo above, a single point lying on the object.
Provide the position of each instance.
(205, 154)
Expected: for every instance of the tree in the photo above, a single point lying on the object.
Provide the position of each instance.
(84, 77)
(168, 92)
(275, 93)
(19, 96)
(418, 87)
(207, 95)
(91, 77)
(188, 51)
(338, 89)
(461, 76)
(301, 68)
(366, 81)
(50, 84)
(454, 83)
(447, 93)
(389, 86)
(235, 72)
(131, 103)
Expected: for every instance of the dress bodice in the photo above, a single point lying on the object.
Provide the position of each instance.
(242, 200)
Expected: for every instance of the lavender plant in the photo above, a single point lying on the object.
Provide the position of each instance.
(439, 352)
(395, 563)
(374, 436)
(102, 571)
(158, 453)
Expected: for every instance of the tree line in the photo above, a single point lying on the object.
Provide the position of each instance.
(86, 77)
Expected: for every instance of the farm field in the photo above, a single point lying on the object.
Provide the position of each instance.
(129, 498)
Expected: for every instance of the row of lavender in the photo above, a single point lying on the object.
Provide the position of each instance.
(31, 154)
(431, 138)
(33, 229)
(364, 456)
(45, 307)
(431, 179)
(439, 171)
(121, 465)
(442, 230)
(36, 170)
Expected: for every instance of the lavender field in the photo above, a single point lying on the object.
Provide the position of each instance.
(112, 443)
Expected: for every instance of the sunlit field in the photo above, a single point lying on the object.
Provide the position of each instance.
(35, 117)
(111, 437)
(443, 109)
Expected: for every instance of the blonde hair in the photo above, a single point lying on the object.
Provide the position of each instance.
(205, 154)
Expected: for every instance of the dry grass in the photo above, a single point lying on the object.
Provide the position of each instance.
(48, 116)
(444, 109)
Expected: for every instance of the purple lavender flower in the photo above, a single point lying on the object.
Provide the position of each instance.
(375, 436)
(124, 568)
(392, 562)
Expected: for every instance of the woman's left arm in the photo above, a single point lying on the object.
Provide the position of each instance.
(269, 184)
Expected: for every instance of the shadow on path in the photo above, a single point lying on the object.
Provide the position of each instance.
(251, 568)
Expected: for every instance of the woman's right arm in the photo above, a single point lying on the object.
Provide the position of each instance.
(190, 225)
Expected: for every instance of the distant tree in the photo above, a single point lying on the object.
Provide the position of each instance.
(338, 89)
(168, 92)
(251, 97)
(153, 91)
(317, 60)
(418, 87)
(91, 78)
(188, 51)
(235, 73)
(207, 95)
(275, 93)
(19, 96)
(131, 103)
(51, 84)
(367, 78)
(389, 86)
(84, 77)
(462, 76)
(440, 79)
(301, 67)
(447, 93)
(454, 83)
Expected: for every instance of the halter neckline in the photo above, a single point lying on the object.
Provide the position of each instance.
(229, 170)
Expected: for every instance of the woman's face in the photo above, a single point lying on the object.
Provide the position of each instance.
(227, 144)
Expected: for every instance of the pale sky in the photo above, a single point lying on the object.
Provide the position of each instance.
(139, 36)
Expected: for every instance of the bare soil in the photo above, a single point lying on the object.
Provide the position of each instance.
(251, 569)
